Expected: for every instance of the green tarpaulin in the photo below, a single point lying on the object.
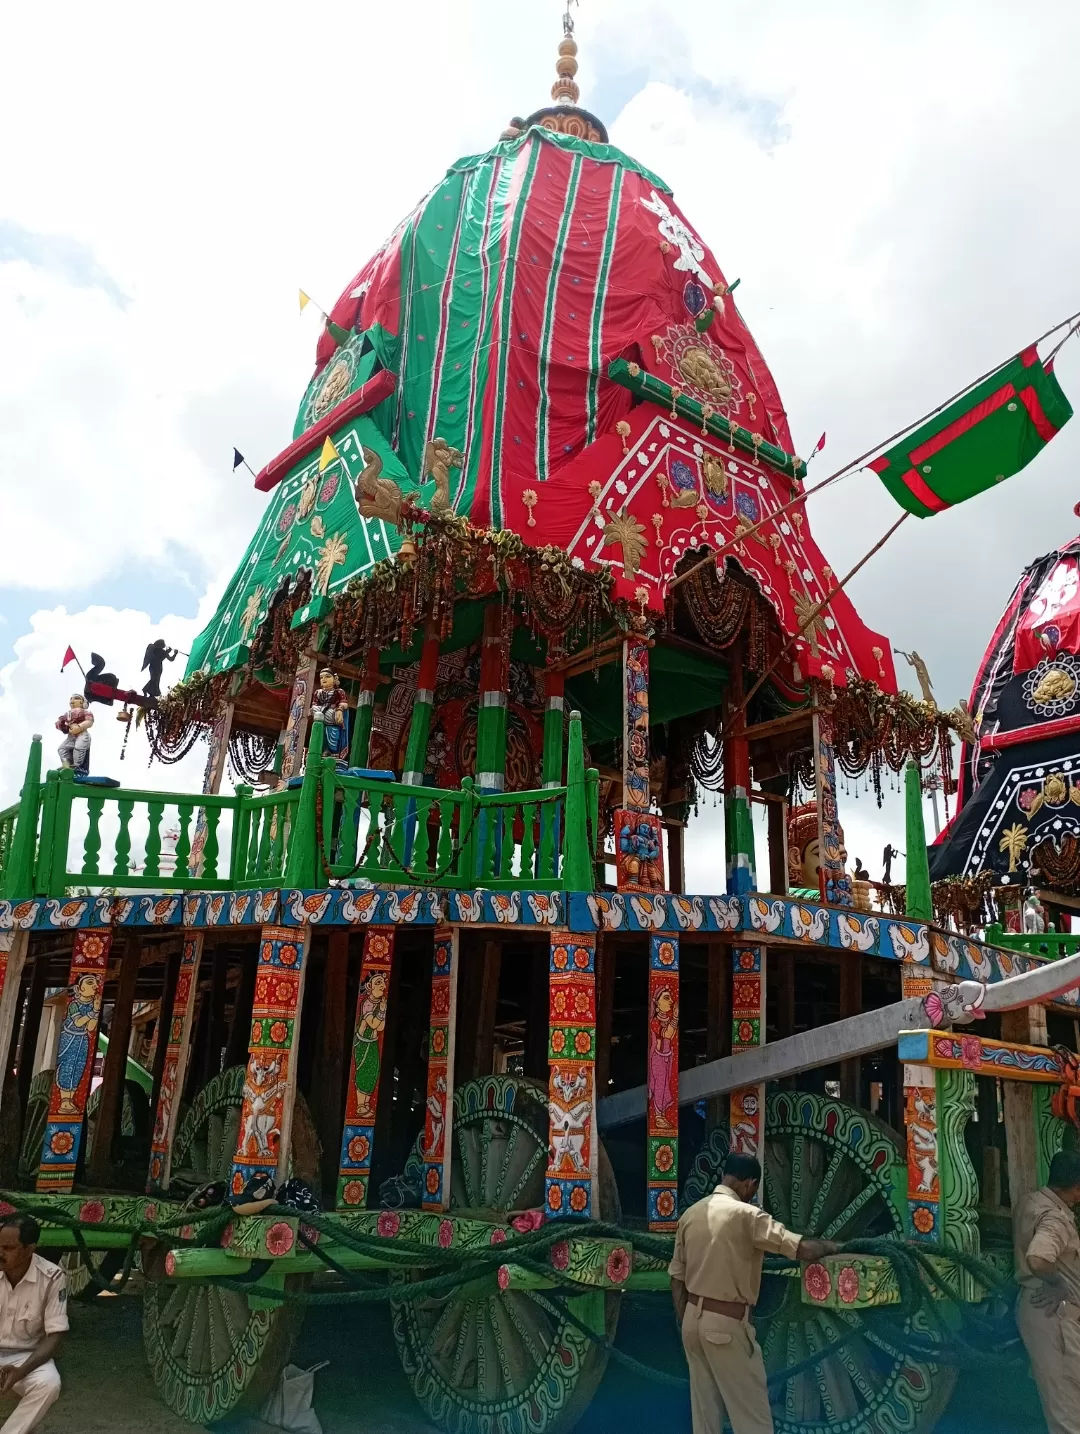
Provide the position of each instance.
(986, 436)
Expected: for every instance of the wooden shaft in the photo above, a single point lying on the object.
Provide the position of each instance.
(111, 1099)
(165, 1015)
(215, 1034)
(35, 1002)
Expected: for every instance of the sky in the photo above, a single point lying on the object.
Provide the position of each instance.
(891, 184)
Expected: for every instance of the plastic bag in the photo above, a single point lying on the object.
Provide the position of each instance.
(289, 1407)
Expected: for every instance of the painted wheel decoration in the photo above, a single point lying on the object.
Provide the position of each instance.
(503, 1362)
(210, 1353)
(831, 1170)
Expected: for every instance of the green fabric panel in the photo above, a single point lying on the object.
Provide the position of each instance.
(996, 445)
(919, 901)
(354, 363)
(282, 547)
(680, 684)
(603, 153)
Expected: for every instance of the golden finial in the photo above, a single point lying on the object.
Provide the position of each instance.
(565, 91)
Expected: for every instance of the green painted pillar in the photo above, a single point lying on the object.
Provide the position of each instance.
(577, 863)
(416, 750)
(19, 872)
(919, 903)
(738, 824)
(552, 762)
(365, 711)
(491, 718)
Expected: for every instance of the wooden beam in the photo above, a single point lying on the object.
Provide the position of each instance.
(165, 1015)
(676, 872)
(240, 1025)
(536, 1021)
(35, 1003)
(111, 1099)
(792, 722)
(328, 1079)
(215, 1034)
(778, 873)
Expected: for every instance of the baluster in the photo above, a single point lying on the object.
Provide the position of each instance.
(249, 857)
(183, 845)
(421, 839)
(92, 844)
(210, 846)
(545, 868)
(444, 853)
(266, 841)
(280, 831)
(528, 845)
(489, 817)
(348, 831)
(374, 840)
(397, 854)
(506, 830)
(154, 812)
(123, 837)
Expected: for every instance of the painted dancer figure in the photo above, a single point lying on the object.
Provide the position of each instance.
(715, 1274)
(33, 1322)
(369, 1027)
(75, 723)
(73, 1052)
(1047, 1249)
(663, 1029)
(330, 708)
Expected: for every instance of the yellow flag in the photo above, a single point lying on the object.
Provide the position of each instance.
(305, 299)
(328, 455)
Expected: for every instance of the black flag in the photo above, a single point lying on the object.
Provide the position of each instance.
(237, 459)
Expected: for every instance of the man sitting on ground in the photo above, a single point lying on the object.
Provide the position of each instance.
(33, 1321)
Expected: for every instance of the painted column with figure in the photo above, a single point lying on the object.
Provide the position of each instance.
(639, 852)
(264, 1137)
(832, 856)
(662, 1066)
(437, 1143)
(174, 1069)
(362, 1099)
(74, 1062)
(573, 1144)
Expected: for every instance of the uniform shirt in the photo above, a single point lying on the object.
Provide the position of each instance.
(720, 1245)
(33, 1308)
(1044, 1226)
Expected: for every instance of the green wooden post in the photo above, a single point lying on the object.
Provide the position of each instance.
(65, 795)
(241, 836)
(416, 748)
(592, 807)
(19, 876)
(577, 866)
(467, 823)
(491, 717)
(553, 729)
(919, 903)
(365, 711)
(43, 866)
(302, 869)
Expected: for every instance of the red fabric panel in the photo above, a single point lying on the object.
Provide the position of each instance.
(1030, 356)
(1050, 621)
(1043, 427)
(879, 464)
(378, 304)
(925, 495)
(962, 424)
(368, 396)
(1059, 727)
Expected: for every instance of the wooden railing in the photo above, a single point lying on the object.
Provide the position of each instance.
(1054, 944)
(334, 826)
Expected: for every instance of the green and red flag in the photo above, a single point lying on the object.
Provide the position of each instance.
(984, 437)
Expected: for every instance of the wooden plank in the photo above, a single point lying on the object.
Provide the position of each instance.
(778, 872)
(215, 1032)
(35, 1004)
(718, 1015)
(676, 865)
(178, 1042)
(573, 1142)
(328, 1082)
(111, 1097)
(1000, 1060)
(164, 1021)
(240, 1024)
(13, 948)
(662, 1083)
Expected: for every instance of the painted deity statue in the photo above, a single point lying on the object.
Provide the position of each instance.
(804, 849)
(76, 1036)
(369, 1028)
(75, 724)
(639, 851)
(330, 708)
(663, 1031)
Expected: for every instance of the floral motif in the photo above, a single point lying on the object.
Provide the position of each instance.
(278, 1032)
(61, 1142)
(817, 1282)
(618, 1265)
(560, 958)
(504, 1277)
(923, 1219)
(388, 1224)
(579, 1198)
(353, 1193)
(665, 1204)
(359, 1146)
(560, 1256)
(288, 956)
(554, 1198)
(582, 1043)
(279, 1238)
(847, 1284)
(498, 1237)
(446, 1233)
(92, 1212)
(664, 1158)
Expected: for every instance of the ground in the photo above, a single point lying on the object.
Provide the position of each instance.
(107, 1386)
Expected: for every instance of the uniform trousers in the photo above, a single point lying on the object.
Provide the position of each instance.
(727, 1374)
(1052, 1341)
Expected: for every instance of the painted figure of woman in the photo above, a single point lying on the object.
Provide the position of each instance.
(366, 1055)
(73, 1051)
(663, 1031)
(330, 707)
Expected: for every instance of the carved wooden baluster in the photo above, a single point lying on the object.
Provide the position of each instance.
(154, 812)
(92, 844)
(183, 845)
(528, 848)
(421, 838)
(444, 854)
(506, 845)
(348, 830)
(122, 865)
(546, 867)
(210, 845)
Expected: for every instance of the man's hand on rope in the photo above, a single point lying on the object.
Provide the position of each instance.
(811, 1250)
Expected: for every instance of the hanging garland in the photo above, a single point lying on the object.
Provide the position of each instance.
(180, 717)
(251, 754)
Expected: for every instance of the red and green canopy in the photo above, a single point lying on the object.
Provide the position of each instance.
(986, 436)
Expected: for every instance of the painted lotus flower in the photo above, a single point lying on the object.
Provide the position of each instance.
(847, 1284)
(923, 1220)
(817, 1282)
(388, 1224)
(446, 1233)
(504, 1278)
(92, 1212)
(353, 1193)
(618, 1266)
(279, 1238)
(664, 1158)
(498, 1237)
(560, 1255)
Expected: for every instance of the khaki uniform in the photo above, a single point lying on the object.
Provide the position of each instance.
(719, 1249)
(30, 1310)
(1043, 1225)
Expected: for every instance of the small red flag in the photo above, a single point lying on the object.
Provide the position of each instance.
(69, 656)
(819, 445)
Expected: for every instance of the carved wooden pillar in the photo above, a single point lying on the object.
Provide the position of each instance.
(439, 1111)
(175, 1062)
(265, 1133)
(74, 1062)
(573, 1147)
(747, 1106)
(365, 1070)
(662, 1076)
(835, 883)
(639, 847)
(111, 1098)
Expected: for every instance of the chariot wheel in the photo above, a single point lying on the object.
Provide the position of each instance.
(503, 1363)
(835, 1172)
(210, 1352)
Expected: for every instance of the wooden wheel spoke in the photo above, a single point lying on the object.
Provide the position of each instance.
(463, 1370)
(845, 1358)
(836, 1160)
(531, 1322)
(849, 1212)
(514, 1194)
(799, 1177)
(512, 1362)
(487, 1364)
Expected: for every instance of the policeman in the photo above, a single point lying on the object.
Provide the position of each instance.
(715, 1274)
(1047, 1250)
(33, 1321)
